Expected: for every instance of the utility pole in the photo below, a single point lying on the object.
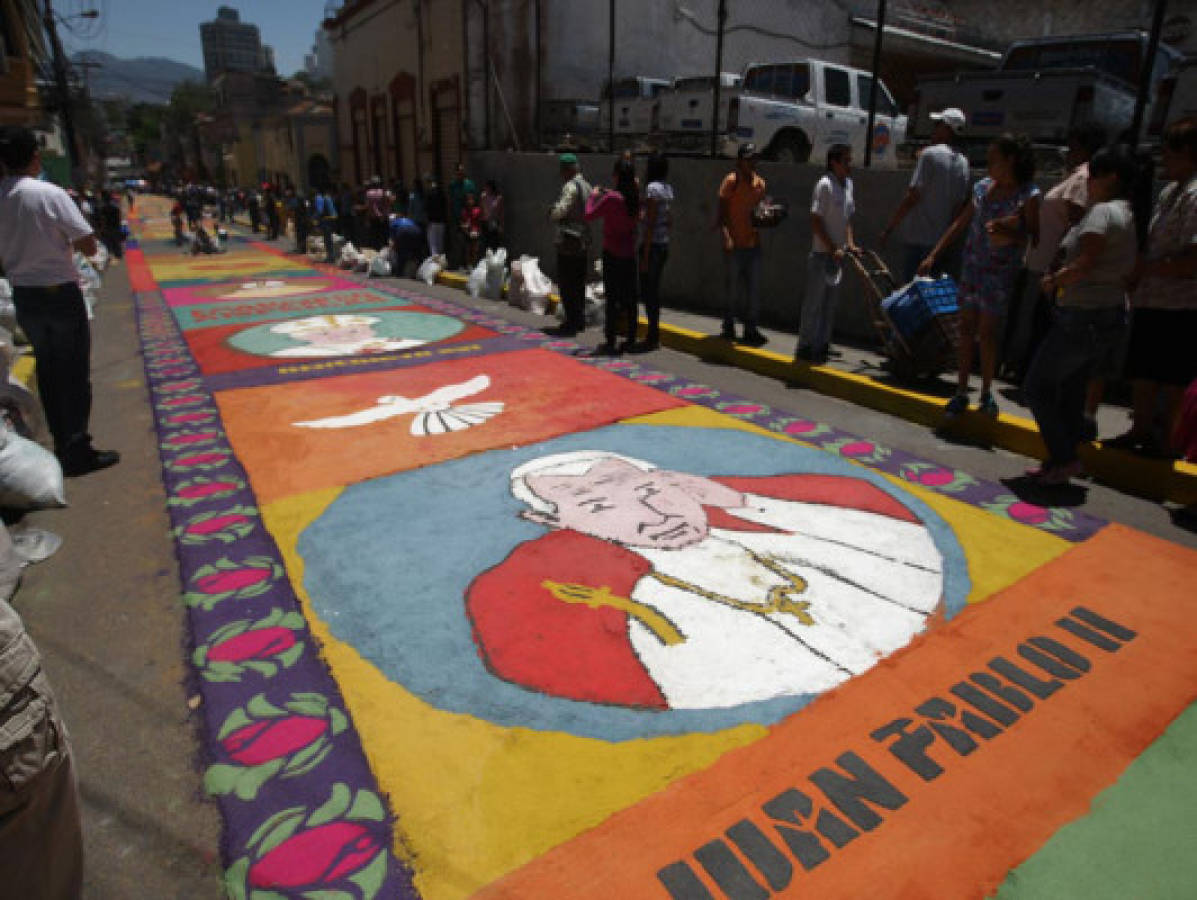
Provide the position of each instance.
(62, 85)
(718, 97)
(611, 84)
(1145, 70)
(873, 86)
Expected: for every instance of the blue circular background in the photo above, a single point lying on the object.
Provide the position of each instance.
(427, 327)
(388, 564)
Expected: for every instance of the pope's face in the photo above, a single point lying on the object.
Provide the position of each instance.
(338, 334)
(616, 501)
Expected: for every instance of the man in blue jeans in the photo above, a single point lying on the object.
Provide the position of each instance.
(40, 227)
(739, 195)
(326, 216)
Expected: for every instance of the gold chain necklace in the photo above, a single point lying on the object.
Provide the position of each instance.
(778, 600)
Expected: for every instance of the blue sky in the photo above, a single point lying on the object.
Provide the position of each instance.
(170, 28)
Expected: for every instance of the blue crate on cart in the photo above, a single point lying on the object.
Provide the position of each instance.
(918, 304)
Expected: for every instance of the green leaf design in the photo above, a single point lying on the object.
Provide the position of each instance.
(272, 822)
(327, 895)
(271, 618)
(234, 878)
(261, 708)
(227, 631)
(252, 779)
(222, 677)
(237, 719)
(322, 748)
(310, 695)
(289, 656)
(371, 877)
(338, 721)
(267, 895)
(221, 779)
(292, 620)
(206, 602)
(263, 667)
(367, 806)
(315, 708)
(279, 833)
(334, 808)
(256, 590)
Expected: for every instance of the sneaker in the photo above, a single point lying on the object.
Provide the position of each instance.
(606, 349)
(956, 405)
(753, 338)
(988, 406)
(804, 353)
(729, 331)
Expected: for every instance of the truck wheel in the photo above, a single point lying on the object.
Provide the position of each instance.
(790, 148)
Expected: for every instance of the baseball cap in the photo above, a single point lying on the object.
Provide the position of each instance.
(747, 151)
(952, 117)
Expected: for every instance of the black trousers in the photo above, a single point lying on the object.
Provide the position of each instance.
(571, 279)
(650, 288)
(55, 321)
(619, 285)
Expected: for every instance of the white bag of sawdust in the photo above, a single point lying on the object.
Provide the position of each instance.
(537, 286)
(477, 279)
(430, 268)
(380, 266)
(496, 273)
(30, 475)
(515, 286)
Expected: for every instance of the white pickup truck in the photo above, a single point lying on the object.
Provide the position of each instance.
(793, 111)
(684, 111)
(635, 105)
(1043, 87)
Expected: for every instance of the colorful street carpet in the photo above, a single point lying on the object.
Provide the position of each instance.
(474, 614)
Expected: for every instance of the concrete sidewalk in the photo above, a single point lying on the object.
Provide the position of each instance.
(105, 613)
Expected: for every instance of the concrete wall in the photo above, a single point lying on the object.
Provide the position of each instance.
(694, 276)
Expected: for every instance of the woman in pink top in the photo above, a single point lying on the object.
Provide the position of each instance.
(620, 211)
(471, 228)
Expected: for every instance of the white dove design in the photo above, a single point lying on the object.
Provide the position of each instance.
(434, 412)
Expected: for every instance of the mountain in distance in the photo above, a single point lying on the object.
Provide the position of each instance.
(141, 80)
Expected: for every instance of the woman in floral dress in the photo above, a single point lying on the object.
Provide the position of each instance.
(1002, 215)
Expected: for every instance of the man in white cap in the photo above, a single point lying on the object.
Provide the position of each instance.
(936, 192)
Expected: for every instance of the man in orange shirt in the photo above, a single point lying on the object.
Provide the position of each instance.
(739, 194)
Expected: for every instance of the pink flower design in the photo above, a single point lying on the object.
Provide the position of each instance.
(317, 857)
(263, 741)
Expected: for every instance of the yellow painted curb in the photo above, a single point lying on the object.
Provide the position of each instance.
(24, 369)
(1154, 479)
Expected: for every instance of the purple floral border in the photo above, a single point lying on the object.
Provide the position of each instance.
(303, 813)
(1070, 524)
